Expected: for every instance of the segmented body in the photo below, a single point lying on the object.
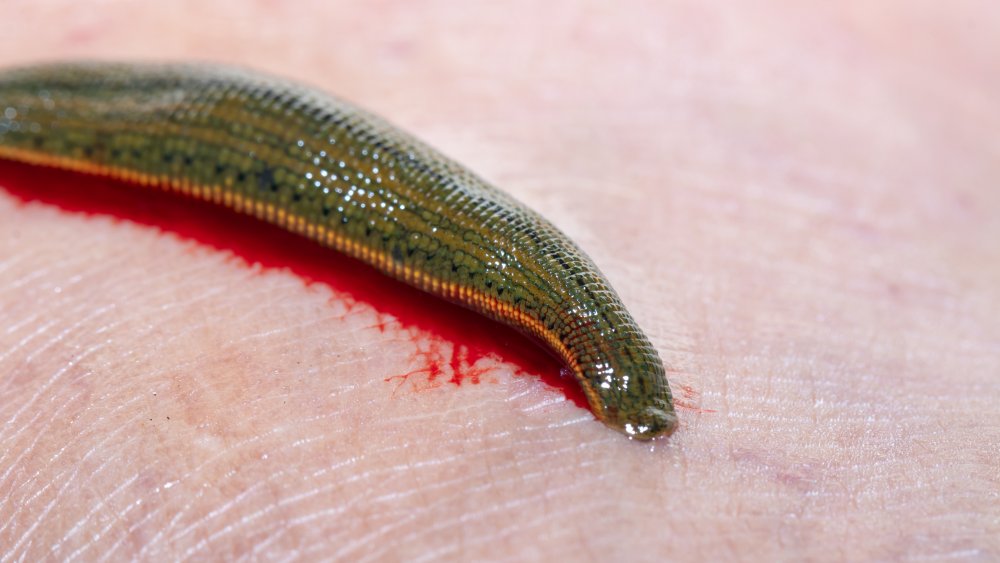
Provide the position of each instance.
(320, 167)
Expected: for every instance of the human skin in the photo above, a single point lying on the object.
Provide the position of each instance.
(798, 203)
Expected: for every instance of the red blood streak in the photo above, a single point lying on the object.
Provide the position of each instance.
(473, 337)
(691, 400)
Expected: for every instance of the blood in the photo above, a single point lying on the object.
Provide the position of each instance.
(470, 336)
(691, 400)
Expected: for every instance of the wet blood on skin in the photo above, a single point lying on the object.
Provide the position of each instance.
(470, 336)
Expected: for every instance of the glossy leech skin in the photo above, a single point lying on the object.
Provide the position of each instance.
(323, 168)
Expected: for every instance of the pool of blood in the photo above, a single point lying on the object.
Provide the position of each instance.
(256, 242)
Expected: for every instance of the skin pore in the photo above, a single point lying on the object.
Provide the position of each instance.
(796, 201)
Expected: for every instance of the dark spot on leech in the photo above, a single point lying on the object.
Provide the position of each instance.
(219, 168)
(188, 160)
(296, 196)
(397, 254)
(265, 179)
(326, 210)
(241, 176)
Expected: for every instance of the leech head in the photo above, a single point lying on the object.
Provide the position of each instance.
(651, 423)
(644, 422)
(629, 393)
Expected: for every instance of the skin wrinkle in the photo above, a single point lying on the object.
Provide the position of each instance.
(78, 525)
(110, 525)
(38, 330)
(218, 455)
(227, 507)
(460, 521)
(93, 315)
(51, 504)
(427, 506)
(46, 385)
(225, 530)
(34, 477)
(20, 323)
(59, 454)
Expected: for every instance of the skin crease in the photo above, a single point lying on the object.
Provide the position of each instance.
(804, 221)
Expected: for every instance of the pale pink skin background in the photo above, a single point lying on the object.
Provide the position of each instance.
(798, 201)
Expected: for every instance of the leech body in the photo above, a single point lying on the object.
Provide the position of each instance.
(320, 167)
